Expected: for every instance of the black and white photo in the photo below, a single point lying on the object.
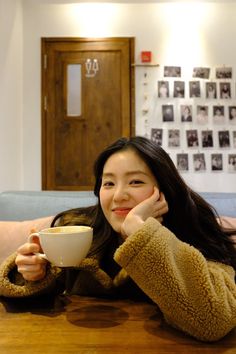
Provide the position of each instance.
(163, 89)
(199, 163)
(202, 114)
(216, 162)
(173, 138)
(186, 113)
(207, 138)
(194, 89)
(232, 114)
(211, 90)
(232, 162)
(192, 138)
(172, 71)
(179, 89)
(202, 73)
(225, 90)
(182, 162)
(224, 140)
(218, 114)
(156, 136)
(167, 113)
(234, 138)
(224, 73)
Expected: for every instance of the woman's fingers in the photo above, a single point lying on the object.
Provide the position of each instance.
(31, 267)
(162, 204)
(29, 263)
(161, 208)
(29, 248)
(32, 272)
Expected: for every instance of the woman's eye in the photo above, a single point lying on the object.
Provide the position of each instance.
(107, 184)
(136, 181)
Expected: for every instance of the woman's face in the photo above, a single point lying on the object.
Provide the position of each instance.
(126, 181)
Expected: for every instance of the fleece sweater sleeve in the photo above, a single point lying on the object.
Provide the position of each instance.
(13, 285)
(194, 295)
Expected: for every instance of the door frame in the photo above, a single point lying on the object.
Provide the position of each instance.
(44, 102)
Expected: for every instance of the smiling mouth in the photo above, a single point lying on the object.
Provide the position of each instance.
(121, 211)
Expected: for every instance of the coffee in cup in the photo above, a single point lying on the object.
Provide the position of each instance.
(64, 246)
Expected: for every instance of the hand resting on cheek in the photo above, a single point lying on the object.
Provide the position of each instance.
(155, 206)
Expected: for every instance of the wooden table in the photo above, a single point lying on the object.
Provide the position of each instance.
(82, 325)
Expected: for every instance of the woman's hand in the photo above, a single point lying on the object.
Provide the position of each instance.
(30, 265)
(155, 206)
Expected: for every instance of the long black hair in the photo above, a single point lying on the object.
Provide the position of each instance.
(190, 217)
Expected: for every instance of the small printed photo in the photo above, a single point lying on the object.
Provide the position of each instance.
(211, 90)
(192, 138)
(225, 90)
(216, 162)
(174, 138)
(218, 114)
(163, 89)
(172, 71)
(234, 138)
(202, 73)
(186, 113)
(224, 141)
(182, 162)
(156, 136)
(167, 113)
(232, 163)
(199, 163)
(179, 89)
(202, 114)
(194, 89)
(232, 114)
(223, 73)
(207, 138)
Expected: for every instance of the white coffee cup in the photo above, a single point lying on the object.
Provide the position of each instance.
(64, 246)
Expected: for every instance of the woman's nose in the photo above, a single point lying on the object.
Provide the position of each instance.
(120, 193)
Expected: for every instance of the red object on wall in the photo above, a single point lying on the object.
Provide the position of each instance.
(146, 57)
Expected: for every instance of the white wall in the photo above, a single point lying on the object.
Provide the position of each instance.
(10, 94)
(178, 34)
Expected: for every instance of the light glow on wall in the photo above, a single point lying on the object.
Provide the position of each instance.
(92, 19)
(184, 37)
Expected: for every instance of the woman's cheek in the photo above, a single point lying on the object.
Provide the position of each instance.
(103, 198)
(147, 194)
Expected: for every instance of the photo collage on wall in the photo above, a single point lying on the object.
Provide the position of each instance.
(196, 114)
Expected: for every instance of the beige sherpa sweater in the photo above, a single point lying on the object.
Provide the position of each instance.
(194, 295)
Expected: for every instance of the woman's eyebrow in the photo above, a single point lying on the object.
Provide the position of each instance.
(128, 173)
(136, 172)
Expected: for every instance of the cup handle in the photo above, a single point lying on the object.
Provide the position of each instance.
(30, 239)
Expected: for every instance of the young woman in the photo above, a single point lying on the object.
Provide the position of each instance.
(154, 238)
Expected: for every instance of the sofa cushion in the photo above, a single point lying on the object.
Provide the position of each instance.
(224, 203)
(15, 233)
(25, 205)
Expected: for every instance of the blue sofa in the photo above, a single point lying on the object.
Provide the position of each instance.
(27, 205)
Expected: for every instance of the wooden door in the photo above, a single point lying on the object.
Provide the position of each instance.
(87, 103)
